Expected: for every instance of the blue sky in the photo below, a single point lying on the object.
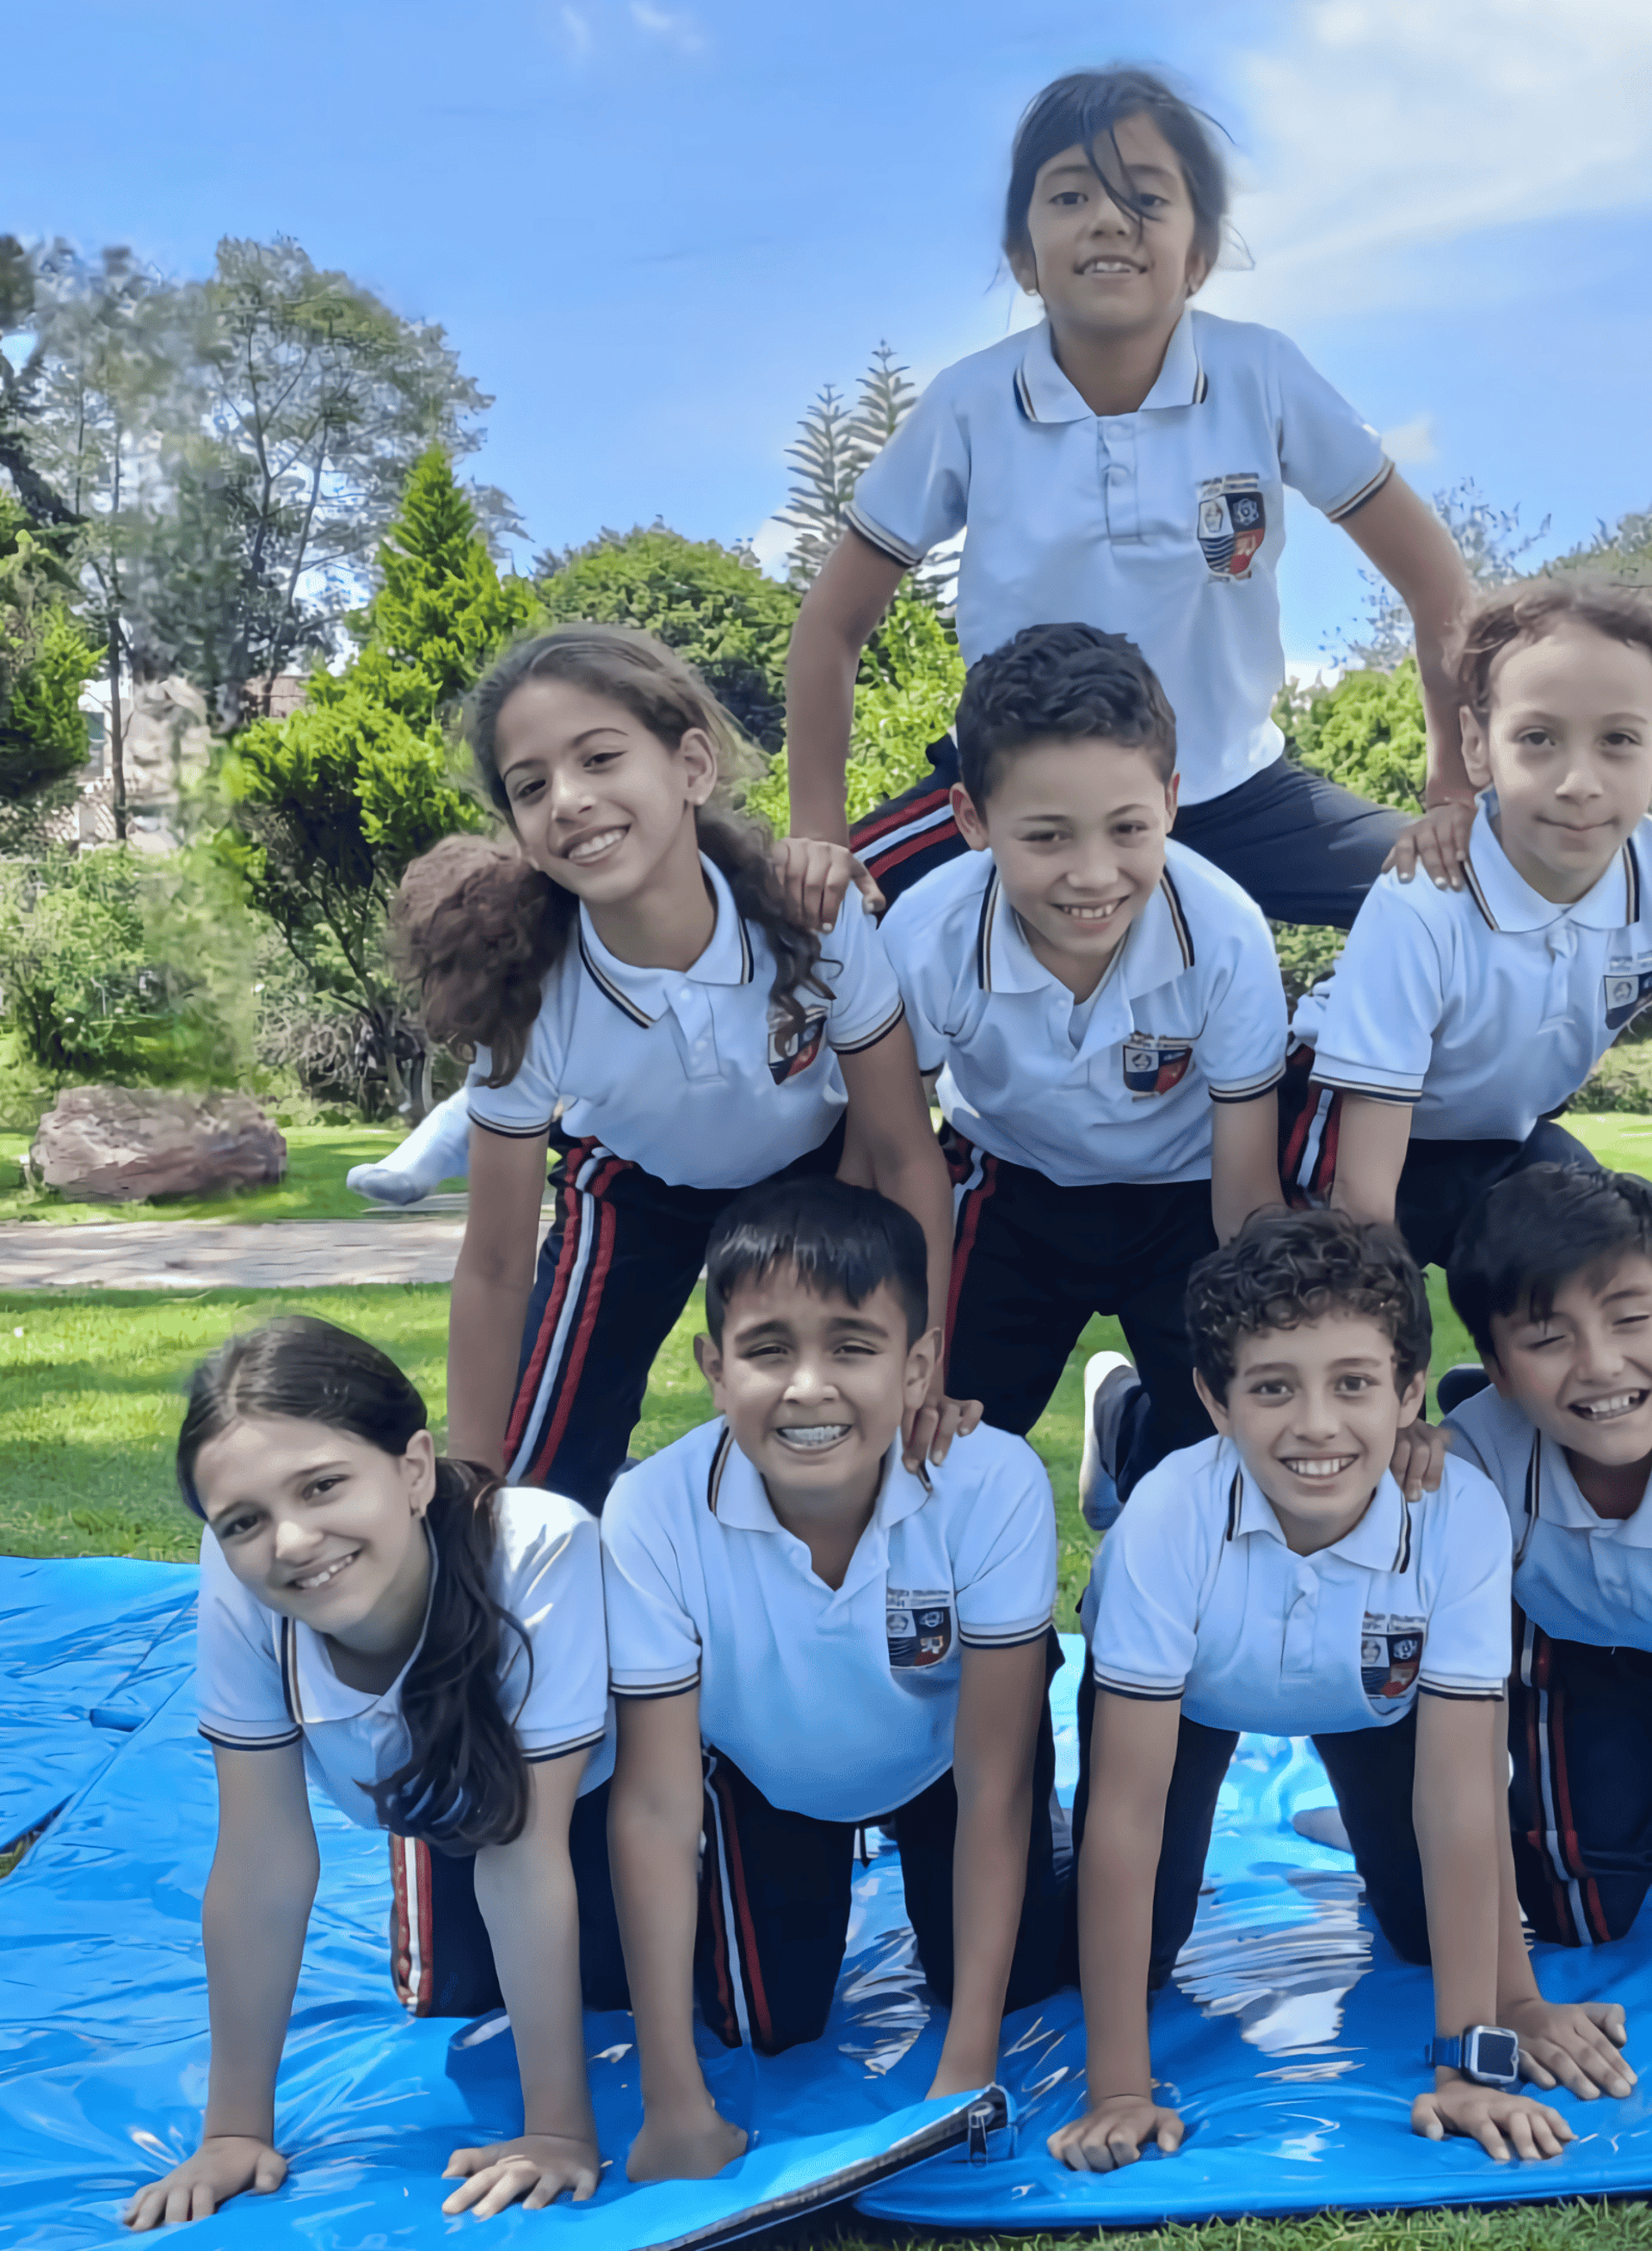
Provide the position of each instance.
(653, 230)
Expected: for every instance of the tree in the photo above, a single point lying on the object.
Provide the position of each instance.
(1493, 545)
(711, 604)
(833, 445)
(1367, 732)
(329, 806)
(44, 659)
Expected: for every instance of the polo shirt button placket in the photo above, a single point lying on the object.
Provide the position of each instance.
(1300, 1620)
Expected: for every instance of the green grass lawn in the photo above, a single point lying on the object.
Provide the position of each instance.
(318, 1158)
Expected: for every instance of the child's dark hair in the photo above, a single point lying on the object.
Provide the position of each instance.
(1069, 682)
(1608, 607)
(479, 928)
(842, 1241)
(465, 1783)
(1089, 106)
(1285, 1268)
(1527, 1237)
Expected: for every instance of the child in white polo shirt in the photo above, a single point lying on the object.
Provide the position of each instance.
(1457, 1022)
(1274, 1578)
(1106, 1013)
(807, 1638)
(638, 994)
(1552, 1277)
(1126, 462)
(428, 1650)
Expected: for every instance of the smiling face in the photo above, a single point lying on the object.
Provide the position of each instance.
(322, 1527)
(1314, 1412)
(1077, 832)
(600, 804)
(814, 1387)
(1584, 1375)
(1102, 271)
(1568, 741)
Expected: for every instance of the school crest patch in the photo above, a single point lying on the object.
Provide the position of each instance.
(792, 1048)
(1152, 1065)
(1390, 1654)
(1232, 523)
(1627, 989)
(920, 1626)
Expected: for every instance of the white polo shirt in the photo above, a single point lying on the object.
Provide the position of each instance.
(1166, 525)
(1191, 1012)
(1484, 1009)
(1581, 1576)
(696, 1074)
(1194, 1595)
(836, 1702)
(263, 1680)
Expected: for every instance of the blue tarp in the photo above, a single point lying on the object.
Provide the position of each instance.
(1292, 2041)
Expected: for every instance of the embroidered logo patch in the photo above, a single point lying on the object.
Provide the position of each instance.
(1232, 523)
(1627, 989)
(920, 1626)
(792, 1048)
(1390, 1654)
(1152, 1065)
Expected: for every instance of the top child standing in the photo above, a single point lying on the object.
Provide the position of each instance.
(1124, 464)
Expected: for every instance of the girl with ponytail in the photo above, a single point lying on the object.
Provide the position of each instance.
(637, 993)
(426, 1647)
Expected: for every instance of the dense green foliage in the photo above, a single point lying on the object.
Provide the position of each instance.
(45, 661)
(1367, 732)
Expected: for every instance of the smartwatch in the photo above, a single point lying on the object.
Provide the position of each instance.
(1485, 2053)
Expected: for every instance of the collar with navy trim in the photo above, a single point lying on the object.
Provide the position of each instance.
(1379, 1542)
(644, 994)
(1508, 903)
(1046, 395)
(738, 1497)
(1553, 1496)
(311, 1688)
(1158, 946)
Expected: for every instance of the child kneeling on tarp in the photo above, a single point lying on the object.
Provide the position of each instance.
(806, 1637)
(1274, 1578)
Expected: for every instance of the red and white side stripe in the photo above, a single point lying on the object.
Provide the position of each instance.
(412, 1945)
(570, 1318)
(974, 1177)
(1556, 1844)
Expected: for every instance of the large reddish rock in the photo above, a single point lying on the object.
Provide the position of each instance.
(117, 1145)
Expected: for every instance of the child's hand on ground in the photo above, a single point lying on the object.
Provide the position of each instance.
(928, 1431)
(1486, 2115)
(221, 2168)
(684, 2145)
(816, 877)
(1574, 2042)
(1438, 842)
(1418, 1459)
(1114, 2132)
(533, 2170)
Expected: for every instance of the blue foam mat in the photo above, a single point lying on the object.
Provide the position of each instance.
(1292, 2039)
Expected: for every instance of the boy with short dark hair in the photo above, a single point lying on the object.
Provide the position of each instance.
(841, 1642)
(1457, 1022)
(1274, 1578)
(1105, 1010)
(1552, 1277)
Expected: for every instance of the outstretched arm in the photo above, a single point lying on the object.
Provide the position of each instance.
(253, 1923)
(525, 1890)
(1371, 1154)
(1401, 534)
(999, 1694)
(654, 1816)
(1133, 1755)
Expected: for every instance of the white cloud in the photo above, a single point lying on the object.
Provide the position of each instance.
(1381, 125)
(577, 30)
(677, 27)
(1411, 443)
(772, 544)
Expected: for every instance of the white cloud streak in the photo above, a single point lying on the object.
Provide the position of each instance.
(676, 27)
(1383, 126)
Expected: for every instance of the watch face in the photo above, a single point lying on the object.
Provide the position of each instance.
(1496, 2056)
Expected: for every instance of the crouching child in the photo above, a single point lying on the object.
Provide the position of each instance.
(1274, 1578)
(808, 1638)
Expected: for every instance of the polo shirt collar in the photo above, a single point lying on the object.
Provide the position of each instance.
(1158, 946)
(1380, 1541)
(1046, 395)
(738, 1497)
(645, 994)
(1552, 1493)
(1509, 902)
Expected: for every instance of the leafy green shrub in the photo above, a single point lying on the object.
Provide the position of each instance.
(1367, 732)
(1622, 1080)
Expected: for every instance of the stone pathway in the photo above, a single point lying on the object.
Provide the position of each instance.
(290, 1254)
